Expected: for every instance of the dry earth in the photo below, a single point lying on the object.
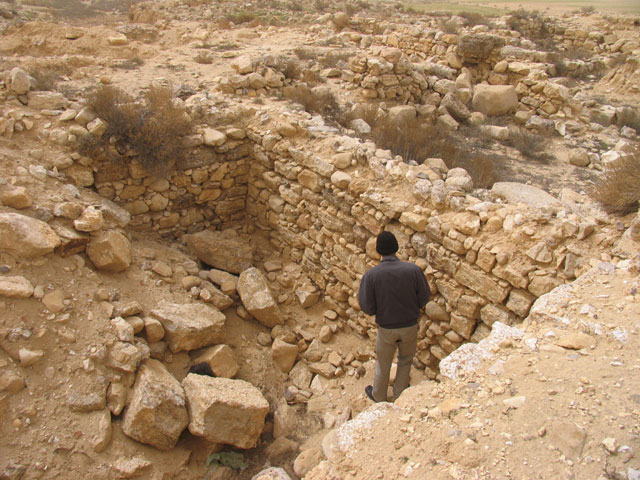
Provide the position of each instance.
(545, 407)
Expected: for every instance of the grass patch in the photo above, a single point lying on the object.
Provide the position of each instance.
(618, 190)
(153, 129)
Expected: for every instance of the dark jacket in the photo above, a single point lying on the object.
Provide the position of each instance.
(394, 291)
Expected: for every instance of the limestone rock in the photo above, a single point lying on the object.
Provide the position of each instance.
(130, 467)
(16, 197)
(493, 100)
(284, 354)
(576, 341)
(306, 461)
(157, 413)
(223, 250)
(301, 376)
(221, 360)
(568, 437)
(515, 193)
(26, 237)
(20, 82)
(153, 329)
(224, 410)
(272, 473)
(110, 251)
(190, 326)
(257, 299)
(15, 287)
(101, 437)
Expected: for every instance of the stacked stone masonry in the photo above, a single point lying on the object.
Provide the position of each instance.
(322, 212)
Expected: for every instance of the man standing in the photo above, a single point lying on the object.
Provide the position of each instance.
(394, 291)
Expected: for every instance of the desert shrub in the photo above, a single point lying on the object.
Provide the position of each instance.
(204, 58)
(320, 5)
(320, 101)
(482, 167)
(340, 21)
(530, 145)
(618, 190)
(295, 6)
(587, 10)
(153, 129)
(628, 117)
(46, 78)
(448, 25)
(474, 18)
(305, 53)
(240, 17)
(333, 59)
(129, 64)
(291, 69)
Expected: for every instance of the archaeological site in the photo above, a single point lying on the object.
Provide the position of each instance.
(190, 195)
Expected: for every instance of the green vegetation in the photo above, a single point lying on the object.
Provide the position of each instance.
(233, 460)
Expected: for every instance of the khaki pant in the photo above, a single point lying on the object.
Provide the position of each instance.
(406, 340)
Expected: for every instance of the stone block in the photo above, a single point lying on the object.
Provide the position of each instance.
(520, 302)
(226, 411)
(257, 299)
(26, 237)
(110, 251)
(491, 313)
(157, 413)
(481, 283)
(462, 326)
(190, 326)
(222, 250)
(221, 359)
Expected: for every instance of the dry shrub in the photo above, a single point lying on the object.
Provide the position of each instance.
(204, 58)
(154, 129)
(291, 70)
(530, 145)
(240, 17)
(295, 6)
(129, 64)
(333, 59)
(320, 5)
(474, 18)
(46, 78)
(316, 100)
(618, 190)
(305, 54)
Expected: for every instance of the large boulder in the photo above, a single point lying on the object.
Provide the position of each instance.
(224, 410)
(223, 250)
(190, 326)
(514, 193)
(157, 412)
(26, 237)
(110, 251)
(495, 100)
(257, 299)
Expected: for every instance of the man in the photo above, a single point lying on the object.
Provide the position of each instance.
(394, 291)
